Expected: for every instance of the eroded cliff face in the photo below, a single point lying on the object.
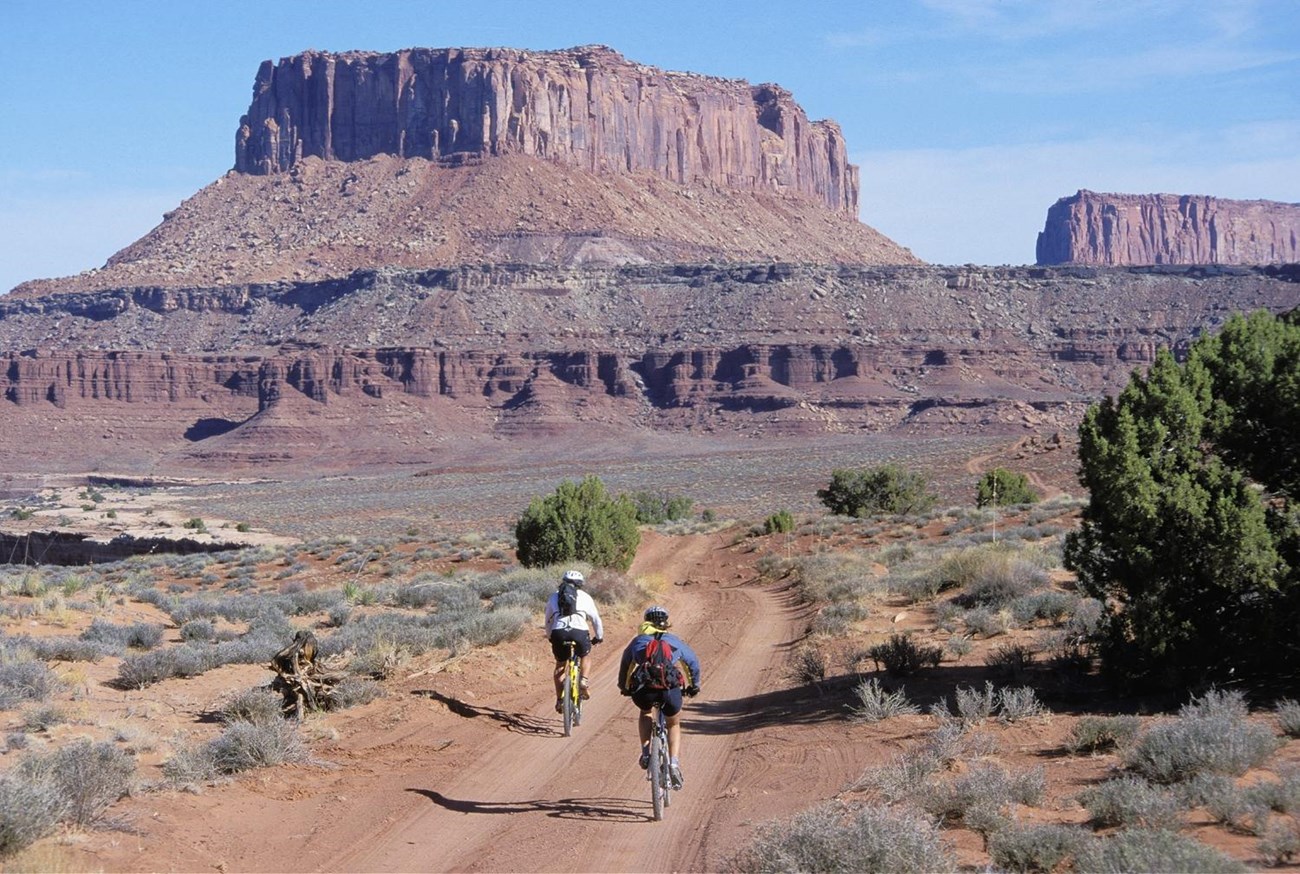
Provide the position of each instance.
(588, 107)
(396, 366)
(1147, 229)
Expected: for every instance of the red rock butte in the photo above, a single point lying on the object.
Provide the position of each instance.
(429, 158)
(1142, 229)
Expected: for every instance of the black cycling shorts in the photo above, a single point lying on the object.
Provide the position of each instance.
(671, 699)
(561, 636)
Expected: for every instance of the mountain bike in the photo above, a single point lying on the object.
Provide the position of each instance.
(572, 693)
(660, 781)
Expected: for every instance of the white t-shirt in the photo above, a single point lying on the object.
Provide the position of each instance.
(587, 617)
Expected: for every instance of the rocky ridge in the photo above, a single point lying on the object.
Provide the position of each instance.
(419, 360)
(1144, 229)
(586, 107)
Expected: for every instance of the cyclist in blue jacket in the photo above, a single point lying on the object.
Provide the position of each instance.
(631, 681)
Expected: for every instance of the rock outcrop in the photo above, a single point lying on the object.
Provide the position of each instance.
(396, 364)
(588, 107)
(1147, 229)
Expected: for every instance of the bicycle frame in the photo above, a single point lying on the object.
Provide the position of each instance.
(572, 691)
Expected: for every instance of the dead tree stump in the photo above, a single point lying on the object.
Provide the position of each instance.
(301, 679)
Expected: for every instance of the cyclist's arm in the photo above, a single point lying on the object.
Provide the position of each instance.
(625, 666)
(551, 609)
(692, 663)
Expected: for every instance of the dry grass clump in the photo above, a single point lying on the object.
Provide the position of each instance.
(839, 838)
(1210, 735)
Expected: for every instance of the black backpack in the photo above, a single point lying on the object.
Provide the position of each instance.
(658, 666)
(567, 601)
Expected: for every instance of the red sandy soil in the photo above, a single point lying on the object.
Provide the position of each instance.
(463, 766)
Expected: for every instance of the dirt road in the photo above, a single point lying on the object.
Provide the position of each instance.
(470, 771)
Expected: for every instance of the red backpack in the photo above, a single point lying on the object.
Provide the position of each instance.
(657, 668)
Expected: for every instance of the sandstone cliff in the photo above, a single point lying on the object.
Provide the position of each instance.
(400, 366)
(1137, 229)
(587, 107)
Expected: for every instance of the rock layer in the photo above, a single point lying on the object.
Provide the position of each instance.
(393, 365)
(1147, 229)
(587, 106)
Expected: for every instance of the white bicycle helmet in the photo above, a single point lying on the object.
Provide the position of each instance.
(574, 577)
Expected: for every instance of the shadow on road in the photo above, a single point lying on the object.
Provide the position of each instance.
(594, 809)
(524, 723)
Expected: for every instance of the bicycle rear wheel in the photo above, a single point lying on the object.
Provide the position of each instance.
(575, 695)
(568, 702)
(658, 788)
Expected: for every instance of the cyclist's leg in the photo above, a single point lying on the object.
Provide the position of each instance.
(560, 650)
(672, 714)
(645, 702)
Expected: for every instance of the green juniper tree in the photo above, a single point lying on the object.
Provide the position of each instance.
(874, 491)
(1001, 487)
(1190, 535)
(579, 522)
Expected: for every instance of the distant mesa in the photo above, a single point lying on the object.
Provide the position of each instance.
(1148, 229)
(432, 158)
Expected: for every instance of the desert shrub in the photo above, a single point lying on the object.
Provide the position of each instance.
(874, 491)
(1210, 735)
(22, 678)
(1034, 848)
(89, 776)
(1010, 660)
(915, 584)
(1280, 842)
(1016, 704)
(780, 522)
(1132, 802)
(1002, 579)
(66, 649)
(958, 645)
(984, 787)
(1152, 850)
(1282, 795)
(974, 705)
(838, 618)
(339, 615)
(654, 507)
(252, 705)
(1001, 487)
(579, 522)
(876, 703)
(29, 810)
(144, 669)
(606, 586)
(1099, 734)
(139, 635)
(1049, 605)
(1288, 716)
(807, 665)
(45, 717)
(831, 577)
(985, 622)
(198, 630)
(902, 656)
(241, 747)
(354, 691)
(836, 839)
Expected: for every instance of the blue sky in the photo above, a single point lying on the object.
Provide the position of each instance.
(969, 118)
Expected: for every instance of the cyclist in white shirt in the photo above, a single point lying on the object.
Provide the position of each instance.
(571, 615)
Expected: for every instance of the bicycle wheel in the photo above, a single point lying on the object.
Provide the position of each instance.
(575, 695)
(658, 788)
(567, 698)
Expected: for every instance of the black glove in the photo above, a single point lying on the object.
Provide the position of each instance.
(626, 693)
(596, 640)
(692, 691)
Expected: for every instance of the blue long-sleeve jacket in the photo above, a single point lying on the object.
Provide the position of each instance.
(635, 651)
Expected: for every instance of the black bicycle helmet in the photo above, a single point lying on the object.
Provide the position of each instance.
(657, 616)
